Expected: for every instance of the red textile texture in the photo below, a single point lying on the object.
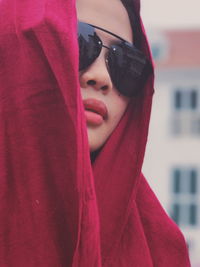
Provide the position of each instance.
(56, 210)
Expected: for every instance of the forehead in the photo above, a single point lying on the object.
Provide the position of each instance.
(108, 14)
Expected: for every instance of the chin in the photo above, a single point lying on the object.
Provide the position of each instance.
(93, 146)
(94, 141)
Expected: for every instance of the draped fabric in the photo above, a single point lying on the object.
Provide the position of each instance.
(56, 208)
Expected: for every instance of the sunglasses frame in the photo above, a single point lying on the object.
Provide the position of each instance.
(119, 74)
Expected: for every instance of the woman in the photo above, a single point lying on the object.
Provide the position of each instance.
(95, 81)
(58, 209)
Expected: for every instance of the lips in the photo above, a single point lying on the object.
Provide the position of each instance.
(96, 106)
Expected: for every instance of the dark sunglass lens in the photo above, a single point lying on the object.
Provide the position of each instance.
(89, 45)
(128, 68)
(116, 65)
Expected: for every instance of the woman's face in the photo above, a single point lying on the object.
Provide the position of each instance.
(97, 88)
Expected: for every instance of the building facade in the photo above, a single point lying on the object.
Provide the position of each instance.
(172, 160)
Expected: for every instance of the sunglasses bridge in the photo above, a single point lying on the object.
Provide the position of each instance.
(107, 47)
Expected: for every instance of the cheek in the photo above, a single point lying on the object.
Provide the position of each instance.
(118, 108)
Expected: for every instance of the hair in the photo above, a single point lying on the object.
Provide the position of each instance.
(135, 22)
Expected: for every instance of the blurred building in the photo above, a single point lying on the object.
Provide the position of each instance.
(172, 160)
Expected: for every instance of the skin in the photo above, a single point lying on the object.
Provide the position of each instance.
(110, 15)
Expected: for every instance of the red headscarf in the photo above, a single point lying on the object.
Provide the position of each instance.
(56, 209)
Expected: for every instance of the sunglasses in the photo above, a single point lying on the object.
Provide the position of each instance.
(127, 66)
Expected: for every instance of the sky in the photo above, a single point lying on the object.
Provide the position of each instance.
(171, 13)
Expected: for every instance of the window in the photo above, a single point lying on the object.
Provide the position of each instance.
(193, 214)
(177, 180)
(193, 99)
(186, 99)
(156, 51)
(159, 46)
(185, 118)
(193, 181)
(176, 213)
(178, 99)
(185, 196)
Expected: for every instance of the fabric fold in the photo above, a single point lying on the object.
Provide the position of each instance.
(56, 208)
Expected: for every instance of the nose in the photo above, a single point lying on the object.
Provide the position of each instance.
(96, 75)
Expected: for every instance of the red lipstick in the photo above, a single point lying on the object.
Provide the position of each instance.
(95, 111)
